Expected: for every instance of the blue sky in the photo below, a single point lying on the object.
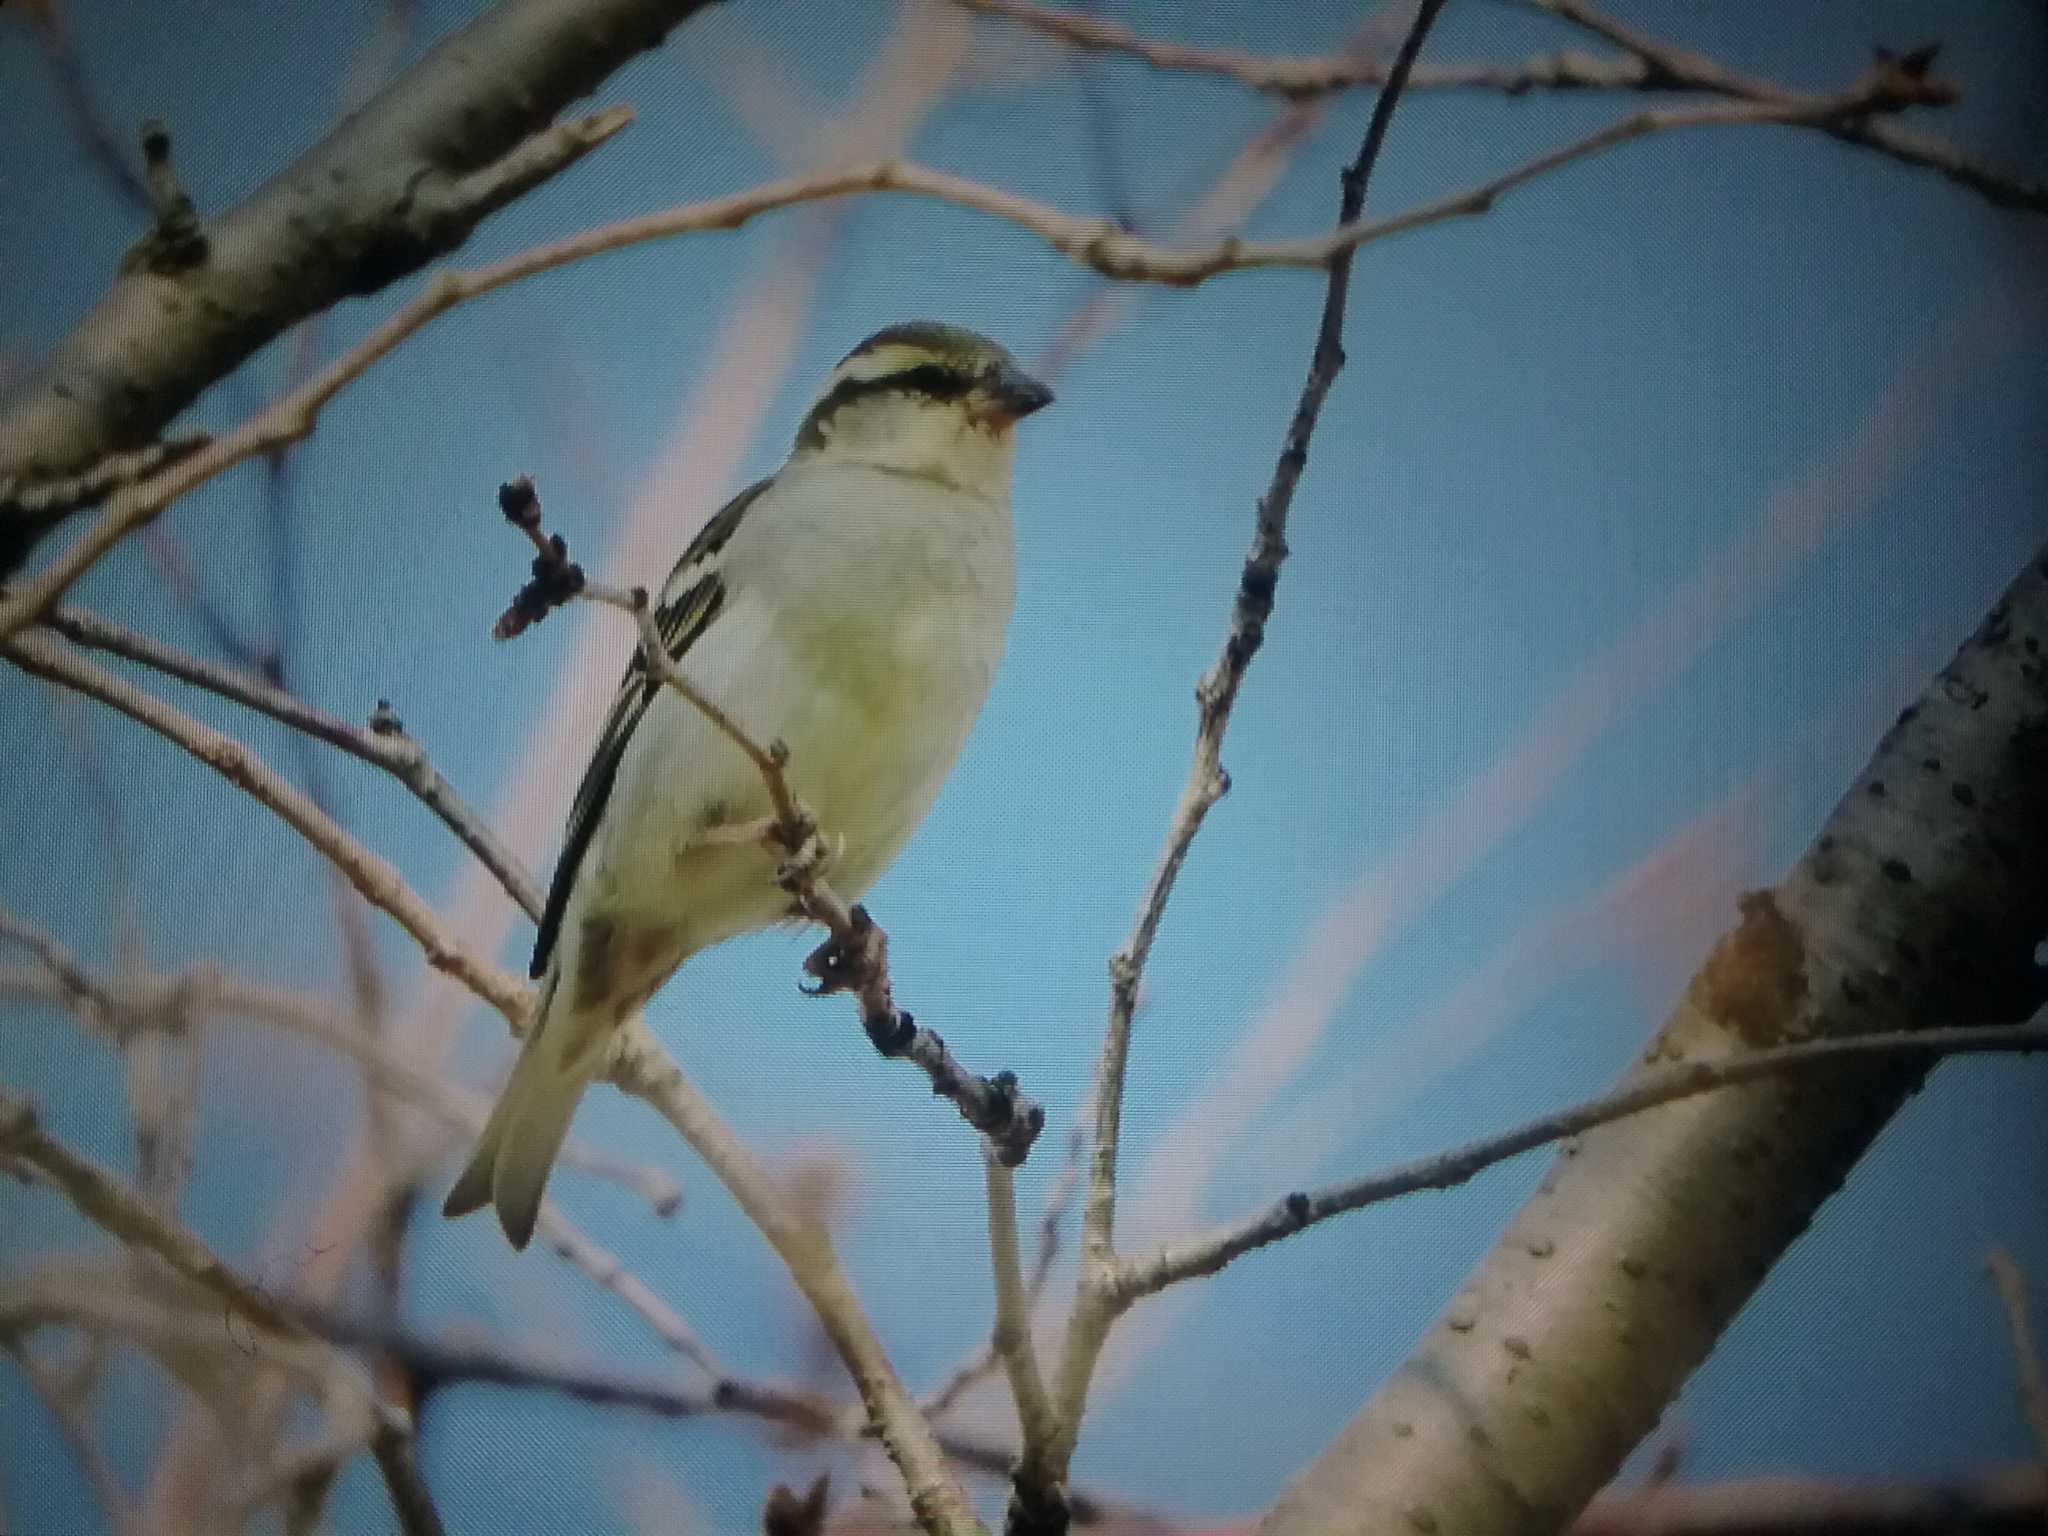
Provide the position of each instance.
(1665, 484)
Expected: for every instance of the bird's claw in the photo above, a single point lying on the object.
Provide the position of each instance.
(836, 966)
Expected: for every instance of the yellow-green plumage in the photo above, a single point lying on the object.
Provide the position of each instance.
(853, 605)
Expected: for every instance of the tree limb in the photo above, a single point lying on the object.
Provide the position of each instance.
(1095, 1304)
(1695, 71)
(1923, 896)
(452, 139)
(1174, 1262)
(1096, 243)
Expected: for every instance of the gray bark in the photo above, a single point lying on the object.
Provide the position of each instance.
(1920, 903)
(393, 186)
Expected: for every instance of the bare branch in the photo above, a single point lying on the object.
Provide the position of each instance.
(157, 1314)
(639, 1066)
(466, 128)
(373, 877)
(1216, 694)
(986, 1360)
(1014, 1346)
(2012, 1290)
(1644, 65)
(1175, 1262)
(104, 1200)
(384, 744)
(643, 1069)
(64, 1394)
(1302, 78)
(1688, 70)
(122, 1009)
(1096, 243)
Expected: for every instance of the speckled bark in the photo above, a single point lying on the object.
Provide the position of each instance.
(1919, 904)
(392, 187)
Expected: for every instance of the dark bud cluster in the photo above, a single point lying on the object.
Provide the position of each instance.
(555, 577)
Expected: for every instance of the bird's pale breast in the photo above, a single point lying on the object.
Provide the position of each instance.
(864, 617)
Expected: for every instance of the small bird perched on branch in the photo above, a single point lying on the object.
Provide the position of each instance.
(853, 605)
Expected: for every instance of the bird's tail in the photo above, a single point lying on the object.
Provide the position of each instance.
(513, 1156)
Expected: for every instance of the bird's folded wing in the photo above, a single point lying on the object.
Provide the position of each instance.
(691, 599)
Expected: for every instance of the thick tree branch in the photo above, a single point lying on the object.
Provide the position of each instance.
(1096, 243)
(1923, 897)
(1294, 1213)
(462, 132)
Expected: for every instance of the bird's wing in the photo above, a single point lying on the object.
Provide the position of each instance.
(690, 600)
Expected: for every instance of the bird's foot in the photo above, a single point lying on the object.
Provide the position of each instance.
(848, 966)
(807, 860)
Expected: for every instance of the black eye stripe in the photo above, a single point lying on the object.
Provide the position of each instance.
(934, 381)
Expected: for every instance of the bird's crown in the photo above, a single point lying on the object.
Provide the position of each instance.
(928, 362)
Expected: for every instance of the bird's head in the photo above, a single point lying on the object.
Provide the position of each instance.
(926, 399)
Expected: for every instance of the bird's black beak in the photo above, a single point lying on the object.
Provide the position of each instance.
(1017, 393)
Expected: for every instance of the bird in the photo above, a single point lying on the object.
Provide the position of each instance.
(855, 606)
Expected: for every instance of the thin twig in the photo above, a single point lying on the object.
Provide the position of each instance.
(1095, 1303)
(384, 744)
(1644, 65)
(1175, 1262)
(1095, 243)
(373, 877)
(124, 1009)
(608, 1271)
(1305, 77)
(985, 1361)
(2012, 1290)
(103, 1199)
(64, 1395)
(1013, 1342)
(1689, 70)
